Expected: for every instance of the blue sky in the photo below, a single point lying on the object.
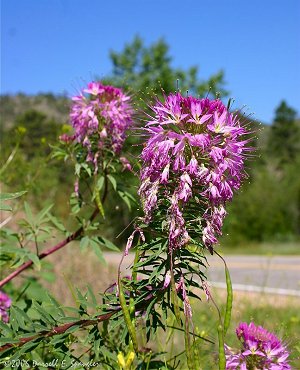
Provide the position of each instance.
(58, 45)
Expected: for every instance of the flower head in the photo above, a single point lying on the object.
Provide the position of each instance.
(5, 303)
(195, 148)
(100, 115)
(260, 349)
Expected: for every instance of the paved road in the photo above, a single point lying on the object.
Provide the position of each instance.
(276, 275)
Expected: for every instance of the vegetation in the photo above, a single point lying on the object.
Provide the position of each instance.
(150, 317)
(30, 124)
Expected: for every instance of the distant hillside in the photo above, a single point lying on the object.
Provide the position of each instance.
(53, 106)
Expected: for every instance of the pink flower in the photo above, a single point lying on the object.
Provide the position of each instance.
(195, 148)
(126, 164)
(5, 303)
(100, 115)
(167, 280)
(260, 349)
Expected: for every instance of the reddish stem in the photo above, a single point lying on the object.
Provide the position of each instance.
(58, 246)
(60, 330)
(43, 255)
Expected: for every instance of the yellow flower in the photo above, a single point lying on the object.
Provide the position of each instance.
(129, 359)
(121, 360)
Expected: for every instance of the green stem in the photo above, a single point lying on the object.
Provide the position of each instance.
(222, 358)
(126, 314)
(229, 300)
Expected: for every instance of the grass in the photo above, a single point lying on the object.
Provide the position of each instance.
(281, 316)
(278, 314)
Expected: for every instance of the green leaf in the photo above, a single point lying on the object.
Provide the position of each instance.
(84, 242)
(56, 223)
(87, 169)
(229, 300)
(20, 313)
(56, 304)
(98, 251)
(4, 340)
(7, 196)
(113, 181)
(100, 183)
(77, 169)
(29, 214)
(35, 259)
(6, 329)
(15, 314)
(92, 295)
(43, 213)
(47, 317)
(72, 329)
(222, 358)
(4, 207)
(125, 198)
(108, 244)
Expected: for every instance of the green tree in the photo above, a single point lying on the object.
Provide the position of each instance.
(149, 69)
(283, 143)
(39, 132)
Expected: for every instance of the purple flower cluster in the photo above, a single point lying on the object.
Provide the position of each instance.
(261, 350)
(5, 303)
(195, 147)
(100, 116)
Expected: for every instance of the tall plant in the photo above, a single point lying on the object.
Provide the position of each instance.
(191, 164)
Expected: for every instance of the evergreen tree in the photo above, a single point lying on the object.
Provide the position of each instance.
(149, 69)
(284, 135)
